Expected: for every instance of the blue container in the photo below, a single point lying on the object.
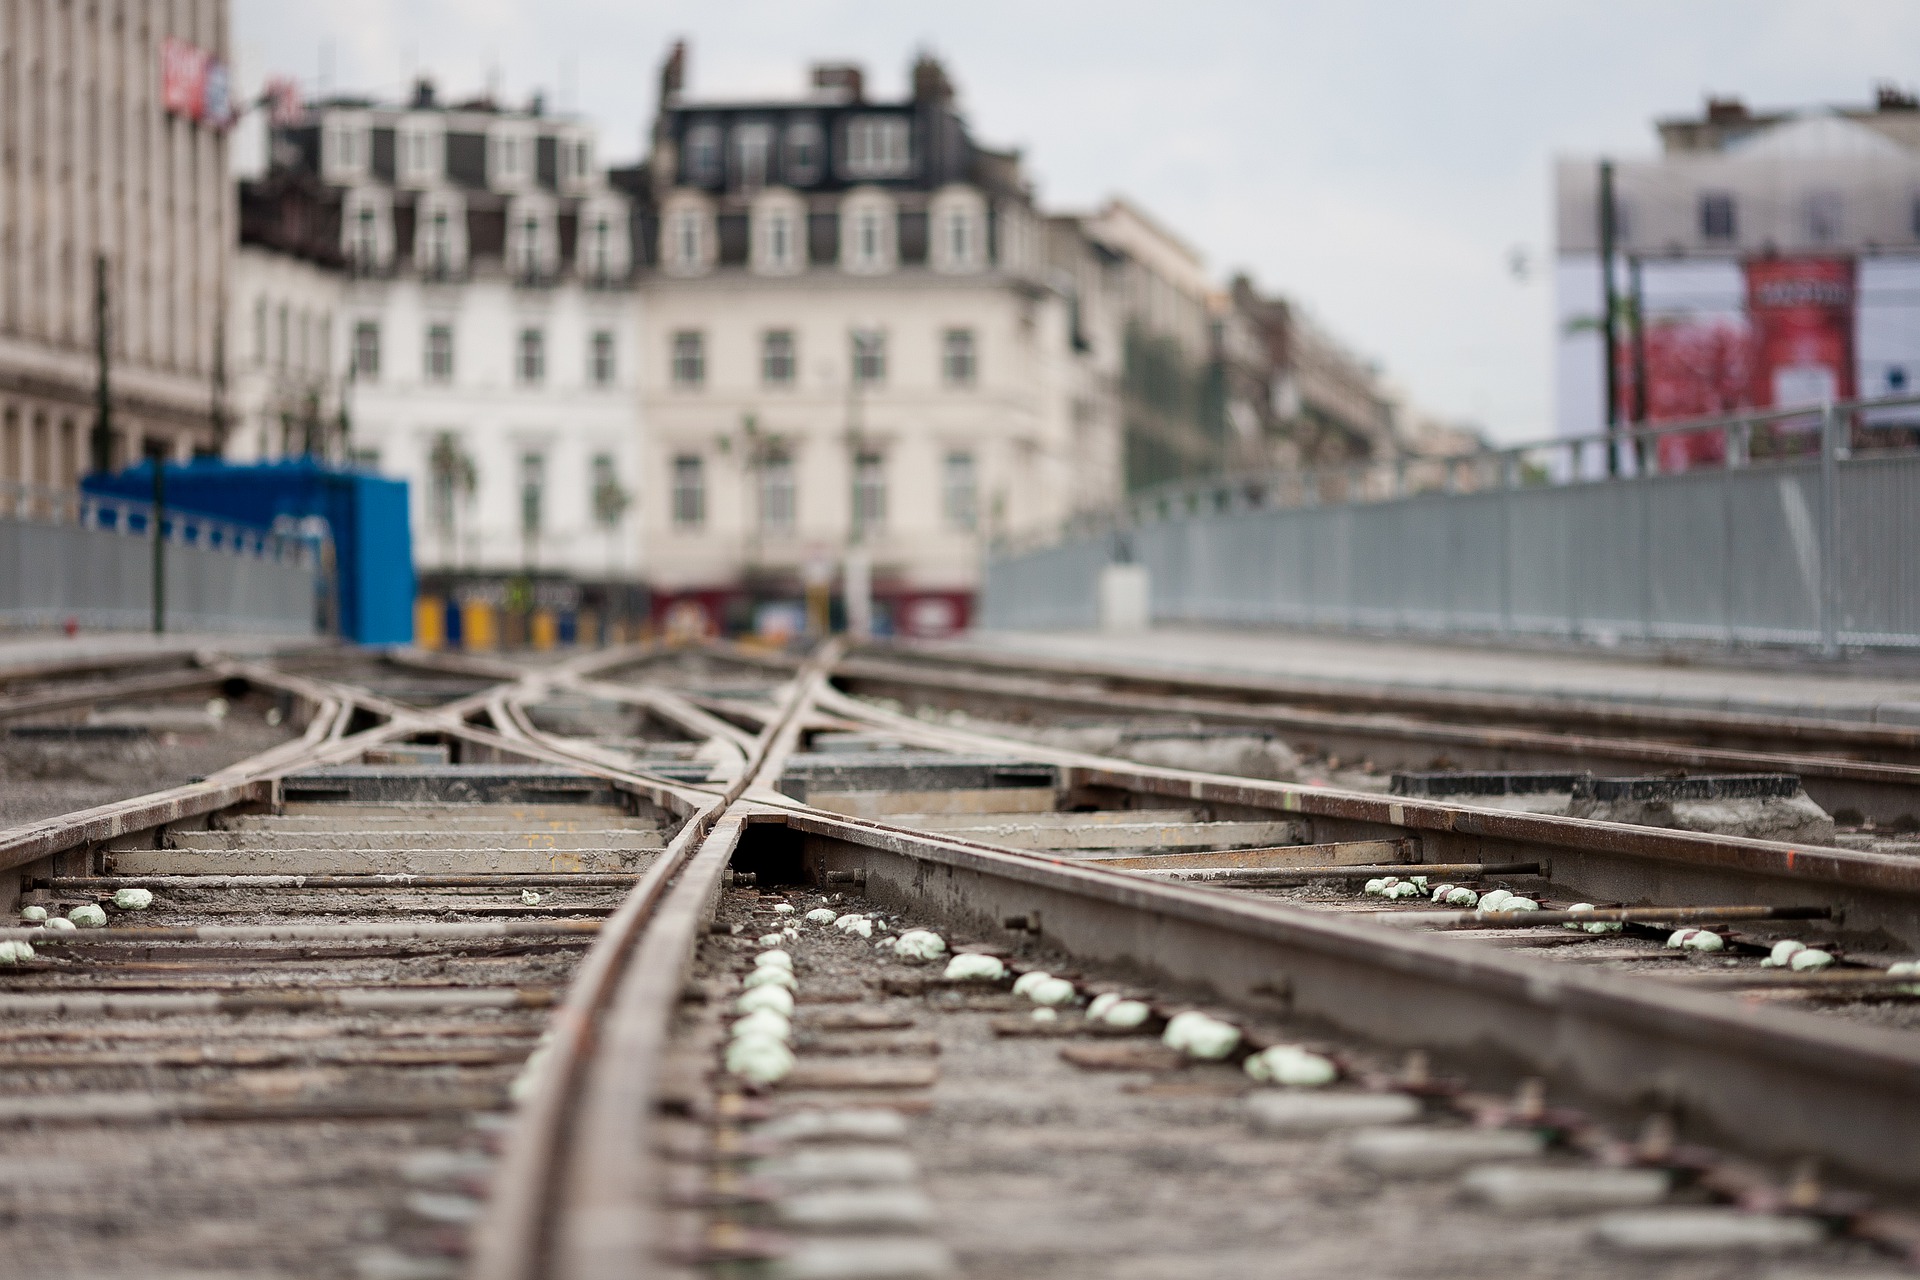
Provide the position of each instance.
(366, 513)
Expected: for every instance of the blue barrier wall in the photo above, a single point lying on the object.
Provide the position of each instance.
(366, 515)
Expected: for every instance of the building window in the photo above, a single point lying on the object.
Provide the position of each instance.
(440, 353)
(533, 356)
(609, 500)
(688, 249)
(1823, 217)
(530, 247)
(960, 238)
(366, 351)
(600, 250)
(366, 239)
(283, 341)
(804, 153)
(777, 494)
(877, 147)
(601, 360)
(689, 492)
(703, 155)
(869, 494)
(1717, 216)
(869, 357)
(959, 492)
(440, 243)
(533, 492)
(956, 357)
(866, 237)
(260, 321)
(777, 241)
(689, 358)
(752, 145)
(777, 363)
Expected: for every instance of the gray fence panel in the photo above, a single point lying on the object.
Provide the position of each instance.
(1735, 555)
(1877, 536)
(52, 572)
(1056, 588)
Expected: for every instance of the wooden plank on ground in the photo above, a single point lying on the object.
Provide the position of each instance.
(338, 862)
(1345, 853)
(882, 804)
(1049, 821)
(1132, 835)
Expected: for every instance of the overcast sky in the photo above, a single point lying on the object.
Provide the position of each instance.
(1378, 160)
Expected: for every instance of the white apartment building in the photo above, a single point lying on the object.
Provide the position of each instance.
(852, 345)
(286, 366)
(487, 326)
(113, 147)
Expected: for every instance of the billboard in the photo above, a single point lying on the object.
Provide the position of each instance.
(1716, 336)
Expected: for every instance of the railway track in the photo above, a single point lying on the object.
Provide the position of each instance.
(446, 982)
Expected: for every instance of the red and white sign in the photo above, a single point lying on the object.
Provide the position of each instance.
(194, 84)
(1801, 310)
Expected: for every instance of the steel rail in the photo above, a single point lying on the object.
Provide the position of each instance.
(1776, 1081)
(573, 1195)
(1483, 705)
(82, 695)
(1609, 860)
(1882, 791)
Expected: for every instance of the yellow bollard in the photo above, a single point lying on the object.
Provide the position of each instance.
(429, 622)
(477, 629)
(546, 630)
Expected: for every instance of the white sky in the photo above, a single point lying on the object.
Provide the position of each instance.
(1377, 159)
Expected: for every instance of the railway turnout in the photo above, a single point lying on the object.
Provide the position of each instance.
(911, 962)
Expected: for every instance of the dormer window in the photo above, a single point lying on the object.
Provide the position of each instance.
(511, 162)
(779, 229)
(530, 245)
(867, 222)
(752, 149)
(347, 148)
(600, 249)
(366, 238)
(440, 242)
(877, 147)
(805, 153)
(421, 153)
(957, 230)
(686, 238)
(703, 155)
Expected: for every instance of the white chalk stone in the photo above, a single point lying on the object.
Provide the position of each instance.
(88, 916)
(1705, 1231)
(1528, 1188)
(875, 1124)
(777, 958)
(894, 1207)
(770, 977)
(1054, 991)
(819, 915)
(1127, 1014)
(141, 899)
(1310, 1113)
(1027, 981)
(969, 967)
(1432, 1151)
(811, 1166)
(778, 999)
(783, 908)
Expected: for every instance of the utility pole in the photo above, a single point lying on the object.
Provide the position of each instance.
(103, 387)
(1609, 338)
(157, 453)
(1636, 298)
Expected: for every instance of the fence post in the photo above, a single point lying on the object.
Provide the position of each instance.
(1829, 528)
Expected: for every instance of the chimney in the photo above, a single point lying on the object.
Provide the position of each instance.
(673, 73)
(838, 82)
(422, 94)
(1725, 110)
(930, 83)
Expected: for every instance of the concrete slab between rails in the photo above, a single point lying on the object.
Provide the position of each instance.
(1847, 1093)
(1860, 692)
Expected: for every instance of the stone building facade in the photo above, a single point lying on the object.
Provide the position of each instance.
(854, 351)
(98, 165)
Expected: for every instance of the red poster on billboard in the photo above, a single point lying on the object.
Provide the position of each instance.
(1801, 310)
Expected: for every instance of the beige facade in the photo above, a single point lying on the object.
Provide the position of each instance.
(91, 165)
(772, 454)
